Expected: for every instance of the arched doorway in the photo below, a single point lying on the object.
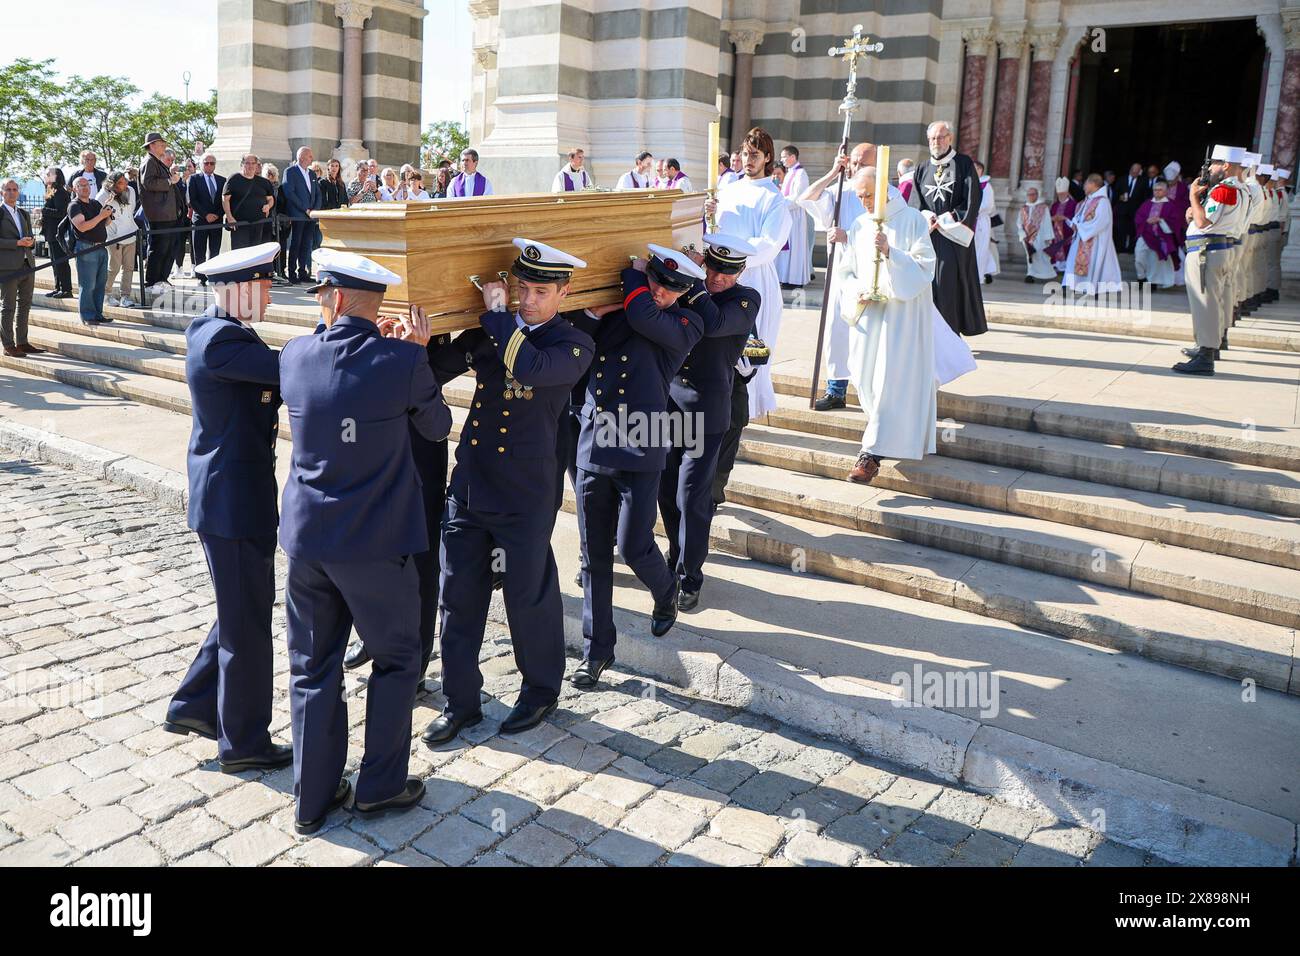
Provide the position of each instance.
(1163, 92)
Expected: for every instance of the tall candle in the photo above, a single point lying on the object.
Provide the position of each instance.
(715, 130)
(882, 180)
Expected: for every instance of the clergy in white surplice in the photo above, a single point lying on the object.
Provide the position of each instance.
(986, 248)
(753, 209)
(891, 340)
(1034, 227)
(1092, 267)
(819, 200)
(794, 264)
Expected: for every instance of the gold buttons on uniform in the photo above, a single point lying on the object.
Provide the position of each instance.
(624, 358)
(597, 391)
(624, 375)
(478, 404)
(505, 413)
(600, 375)
(503, 431)
(501, 449)
(600, 408)
(473, 441)
(475, 423)
(602, 358)
(620, 391)
(480, 384)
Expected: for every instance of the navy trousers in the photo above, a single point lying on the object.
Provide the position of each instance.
(731, 438)
(566, 453)
(431, 462)
(617, 508)
(686, 504)
(300, 239)
(205, 244)
(474, 545)
(322, 601)
(229, 683)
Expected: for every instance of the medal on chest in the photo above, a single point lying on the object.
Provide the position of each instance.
(516, 390)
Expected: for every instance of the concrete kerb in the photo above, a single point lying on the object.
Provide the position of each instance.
(1136, 809)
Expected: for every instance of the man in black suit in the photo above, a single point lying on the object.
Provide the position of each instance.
(203, 192)
(1133, 192)
(16, 253)
(1076, 185)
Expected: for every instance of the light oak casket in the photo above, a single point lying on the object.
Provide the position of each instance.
(436, 245)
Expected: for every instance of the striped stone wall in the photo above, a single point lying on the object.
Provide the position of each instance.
(281, 75)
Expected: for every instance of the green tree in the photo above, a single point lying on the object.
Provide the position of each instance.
(95, 114)
(442, 140)
(183, 123)
(29, 102)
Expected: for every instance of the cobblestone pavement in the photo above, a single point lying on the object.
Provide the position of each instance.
(104, 598)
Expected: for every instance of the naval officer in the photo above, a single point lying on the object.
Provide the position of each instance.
(234, 382)
(353, 519)
(703, 389)
(502, 500)
(624, 442)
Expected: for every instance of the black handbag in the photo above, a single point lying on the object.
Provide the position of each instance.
(995, 220)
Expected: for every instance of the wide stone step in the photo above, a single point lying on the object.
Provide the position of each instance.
(1252, 487)
(147, 328)
(1095, 423)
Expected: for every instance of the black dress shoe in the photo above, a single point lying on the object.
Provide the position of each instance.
(577, 578)
(829, 402)
(190, 725)
(279, 755)
(664, 615)
(32, 349)
(1192, 351)
(356, 656)
(688, 600)
(308, 827)
(407, 797)
(524, 717)
(589, 671)
(444, 728)
(1200, 364)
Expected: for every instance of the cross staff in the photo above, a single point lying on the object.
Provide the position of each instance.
(854, 47)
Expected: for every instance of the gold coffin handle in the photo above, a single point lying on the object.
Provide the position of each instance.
(477, 280)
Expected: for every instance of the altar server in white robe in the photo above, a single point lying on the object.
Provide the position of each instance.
(794, 264)
(1092, 267)
(819, 200)
(891, 342)
(986, 250)
(1034, 226)
(752, 208)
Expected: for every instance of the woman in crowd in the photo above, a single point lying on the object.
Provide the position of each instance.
(57, 198)
(363, 187)
(333, 190)
(121, 255)
(441, 182)
(391, 189)
(272, 173)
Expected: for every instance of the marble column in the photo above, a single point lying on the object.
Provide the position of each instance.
(351, 149)
(1010, 46)
(742, 90)
(1286, 136)
(1044, 44)
(978, 42)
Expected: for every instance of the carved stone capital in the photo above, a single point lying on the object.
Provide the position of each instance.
(1045, 41)
(1291, 28)
(482, 9)
(353, 14)
(1011, 43)
(978, 40)
(485, 57)
(745, 41)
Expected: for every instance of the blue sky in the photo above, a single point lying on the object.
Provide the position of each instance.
(192, 47)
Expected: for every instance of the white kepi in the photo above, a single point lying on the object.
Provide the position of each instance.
(347, 270)
(241, 265)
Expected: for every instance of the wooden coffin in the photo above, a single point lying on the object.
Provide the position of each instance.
(436, 245)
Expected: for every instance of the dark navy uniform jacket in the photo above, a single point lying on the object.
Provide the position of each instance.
(353, 492)
(703, 385)
(639, 349)
(505, 459)
(234, 380)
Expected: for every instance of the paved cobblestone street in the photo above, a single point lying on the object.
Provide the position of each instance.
(104, 597)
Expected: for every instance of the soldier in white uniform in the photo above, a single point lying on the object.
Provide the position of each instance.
(1252, 240)
(1214, 221)
(1281, 228)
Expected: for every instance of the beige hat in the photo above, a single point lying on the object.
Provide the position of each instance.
(1062, 184)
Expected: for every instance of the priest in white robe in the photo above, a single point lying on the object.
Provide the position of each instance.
(819, 200)
(986, 249)
(891, 342)
(1092, 267)
(794, 264)
(1034, 227)
(639, 176)
(753, 209)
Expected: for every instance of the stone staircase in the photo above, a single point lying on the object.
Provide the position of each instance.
(1173, 542)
